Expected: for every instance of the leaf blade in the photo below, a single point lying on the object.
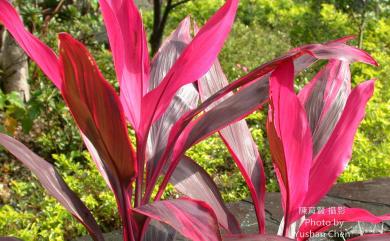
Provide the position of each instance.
(53, 183)
(130, 53)
(34, 48)
(193, 181)
(193, 219)
(240, 143)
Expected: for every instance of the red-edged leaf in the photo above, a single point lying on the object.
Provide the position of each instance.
(98, 113)
(96, 109)
(35, 49)
(324, 99)
(193, 181)
(159, 231)
(372, 237)
(187, 132)
(290, 140)
(185, 99)
(337, 50)
(240, 143)
(322, 222)
(193, 219)
(192, 64)
(334, 156)
(53, 183)
(130, 52)
(184, 133)
(257, 81)
(254, 237)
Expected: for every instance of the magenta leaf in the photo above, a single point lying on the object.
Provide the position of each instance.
(337, 50)
(192, 64)
(290, 140)
(193, 219)
(53, 183)
(130, 52)
(193, 181)
(252, 96)
(185, 99)
(240, 143)
(35, 49)
(322, 222)
(337, 151)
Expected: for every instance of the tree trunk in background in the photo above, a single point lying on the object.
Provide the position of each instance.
(160, 17)
(14, 65)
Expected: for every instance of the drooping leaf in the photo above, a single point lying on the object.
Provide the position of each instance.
(290, 140)
(321, 222)
(195, 61)
(337, 151)
(337, 50)
(53, 183)
(240, 143)
(128, 43)
(193, 219)
(34, 48)
(193, 181)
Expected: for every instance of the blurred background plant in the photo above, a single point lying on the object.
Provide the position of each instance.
(263, 30)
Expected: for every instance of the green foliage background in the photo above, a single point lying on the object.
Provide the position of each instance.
(263, 30)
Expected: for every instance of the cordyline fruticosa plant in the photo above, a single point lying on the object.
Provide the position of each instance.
(310, 133)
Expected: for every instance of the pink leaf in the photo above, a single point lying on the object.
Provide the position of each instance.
(193, 219)
(185, 99)
(290, 140)
(239, 141)
(193, 181)
(53, 183)
(130, 52)
(187, 132)
(337, 151)
(35, 49)
(192, 64)
(322, 222)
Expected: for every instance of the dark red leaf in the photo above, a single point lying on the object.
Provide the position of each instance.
(96, 109)
(53, 183)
